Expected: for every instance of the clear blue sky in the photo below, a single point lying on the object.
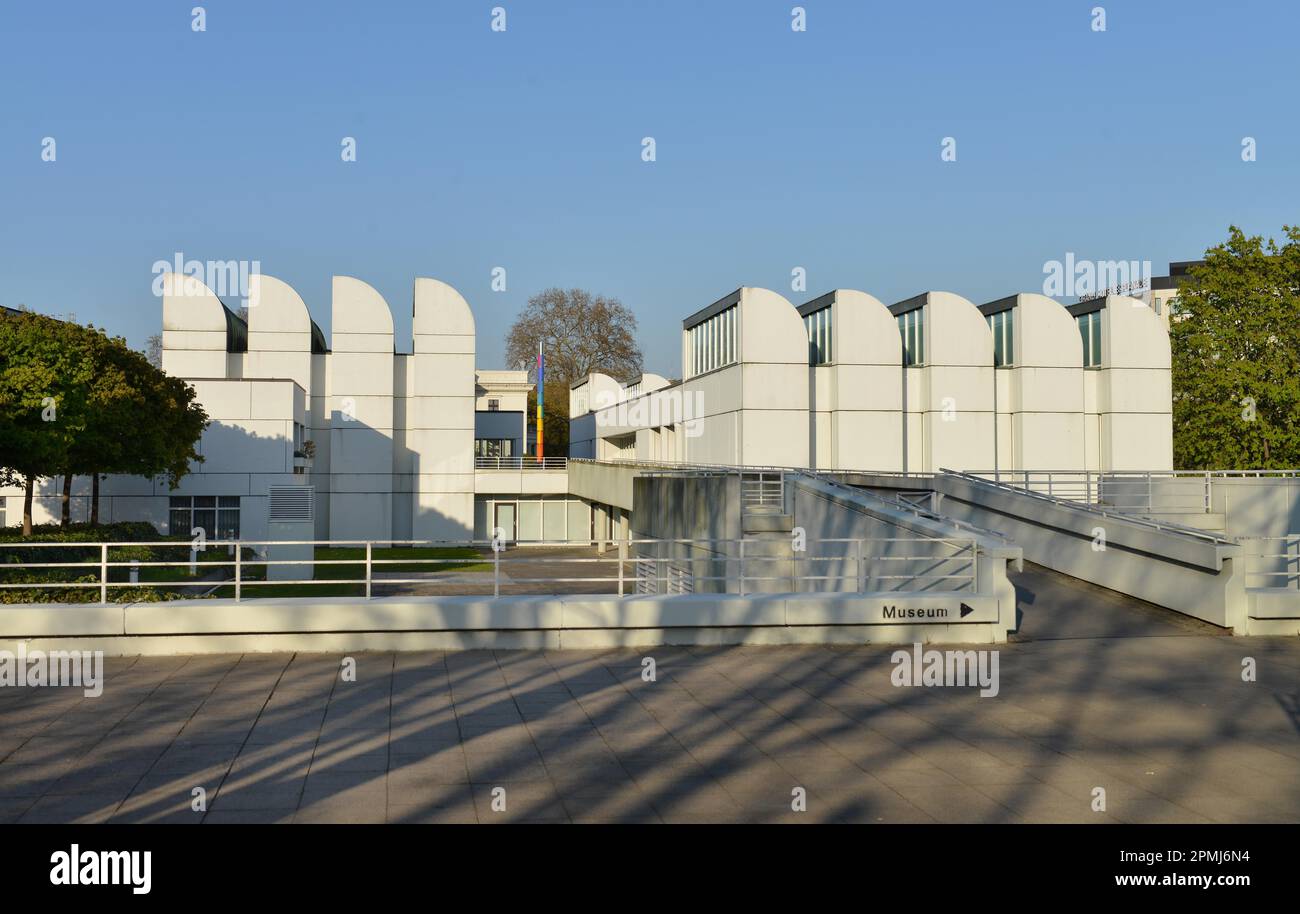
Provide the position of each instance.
(522, 149)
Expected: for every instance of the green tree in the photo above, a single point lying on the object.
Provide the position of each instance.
(74, 401)
(142, 422)
(45, 375)
(579, 333)
(1235, 341)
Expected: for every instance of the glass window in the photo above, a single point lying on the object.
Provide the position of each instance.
(729, 353)
(712, 343)
(494, 447)
(1090, 334)
(178, 516)
(911, 326)
(1011, 337)
(228, 517)
(218, 516)
(207, 519)
(920, 335)
(1002, 324)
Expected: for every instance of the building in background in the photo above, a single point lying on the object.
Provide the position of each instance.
(388, 445)
(347, 439)
(1164, 289)
(931, 382)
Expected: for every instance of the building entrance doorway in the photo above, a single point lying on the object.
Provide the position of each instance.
(503, 519)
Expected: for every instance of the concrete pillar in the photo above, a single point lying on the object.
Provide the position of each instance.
(601, 515)
(438, 457)
(361, 406)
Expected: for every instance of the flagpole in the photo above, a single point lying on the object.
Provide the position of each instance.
(541, 368)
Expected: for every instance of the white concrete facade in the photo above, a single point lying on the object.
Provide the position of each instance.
(930, 382)
(1127, 398)
(743, 401)
(387, 439)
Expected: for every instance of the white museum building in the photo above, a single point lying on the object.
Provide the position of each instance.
(376, 444)
(845, 382)
(348, 439)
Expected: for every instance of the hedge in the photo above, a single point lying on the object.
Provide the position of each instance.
(14, 551)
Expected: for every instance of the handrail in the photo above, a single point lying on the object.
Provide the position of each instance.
(1215, 538)
(521, 463)
(1288, 473)
(1285, 563)
(1132, 491)
(666, 468)
(948, 559)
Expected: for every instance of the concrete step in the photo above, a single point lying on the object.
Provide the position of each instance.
(766, 523)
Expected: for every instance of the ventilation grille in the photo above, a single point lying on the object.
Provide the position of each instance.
(292, 503)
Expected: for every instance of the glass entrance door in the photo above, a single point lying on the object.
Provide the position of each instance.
(503, 519)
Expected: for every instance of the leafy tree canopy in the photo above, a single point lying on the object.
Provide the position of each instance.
(75, 401)
(580, 333)
(1235, 341)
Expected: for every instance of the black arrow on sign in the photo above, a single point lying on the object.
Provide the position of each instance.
(966, 610)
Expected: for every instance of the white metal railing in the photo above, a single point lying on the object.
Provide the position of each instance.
(830, 477)
(1100, 510)
(1272, 562)
(521, 463)
(1129, 491)
(649, 565)
(762, 489)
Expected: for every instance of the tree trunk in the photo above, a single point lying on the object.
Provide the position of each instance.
(27, 506)
(65, 501)
(94, 499)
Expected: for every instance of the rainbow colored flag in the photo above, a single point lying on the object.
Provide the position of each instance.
(541, 393)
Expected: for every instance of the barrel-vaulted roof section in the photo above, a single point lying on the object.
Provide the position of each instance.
(865, 332)
(360, 316)
(190, 306)
(1134, 335)
(1046, 334)
(771, 330)
(439, 310)
(956, 332)
(275, 307)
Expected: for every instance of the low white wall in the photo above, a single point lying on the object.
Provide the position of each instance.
(448, 623)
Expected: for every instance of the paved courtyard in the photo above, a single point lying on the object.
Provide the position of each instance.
(1149, 706)
(527, 570)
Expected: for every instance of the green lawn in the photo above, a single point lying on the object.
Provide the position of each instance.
(85, 566)
(181, 573)
(176, 550)
(468, 559)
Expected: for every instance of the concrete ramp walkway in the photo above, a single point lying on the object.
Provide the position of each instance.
(1053, 606)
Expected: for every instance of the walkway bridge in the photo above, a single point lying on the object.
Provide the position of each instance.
(1214, 546)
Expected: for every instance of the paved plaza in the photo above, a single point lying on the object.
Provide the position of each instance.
(1095, 692)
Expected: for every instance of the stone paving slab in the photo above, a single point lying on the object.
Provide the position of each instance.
(1156, 716)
